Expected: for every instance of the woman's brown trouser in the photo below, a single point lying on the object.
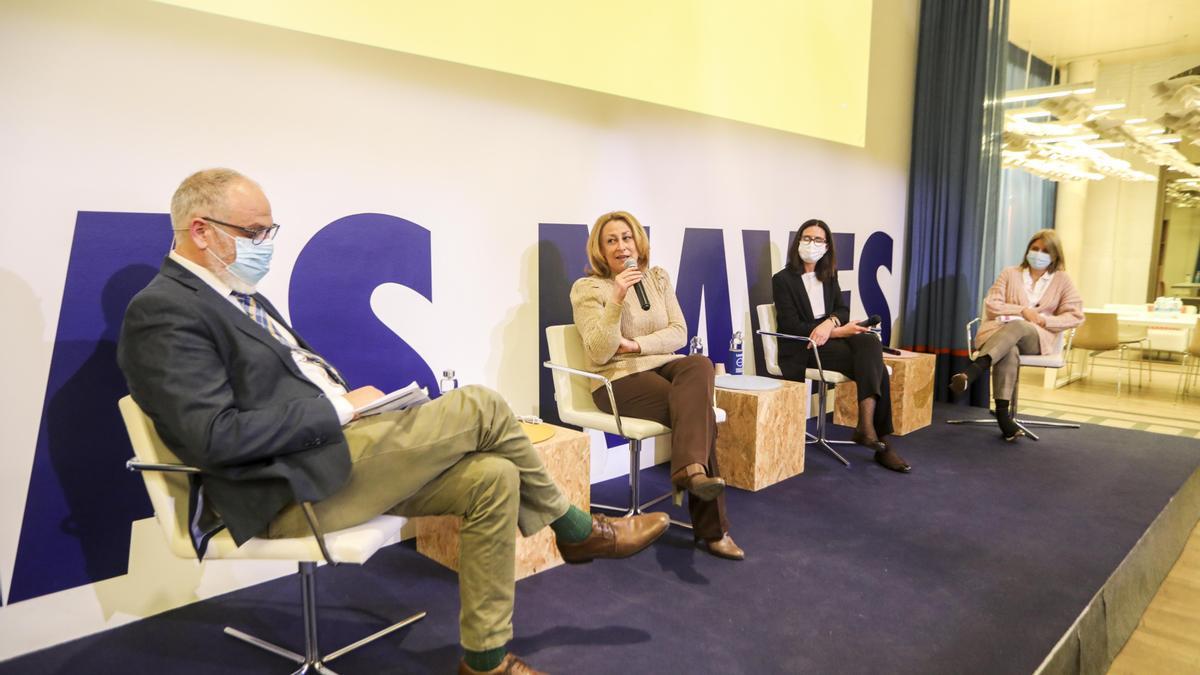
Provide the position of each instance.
(679, 395)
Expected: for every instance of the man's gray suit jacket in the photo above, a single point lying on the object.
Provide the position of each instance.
(228, 398)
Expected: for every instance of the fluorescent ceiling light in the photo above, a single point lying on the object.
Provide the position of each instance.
(1031, 114)
(1042, 94)
(1056, 139)
(1168, 139)
(1107, 144)
(1108, 106)
(1136, 120)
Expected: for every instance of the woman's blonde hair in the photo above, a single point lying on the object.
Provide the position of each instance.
(1053, 247)
(597, 265)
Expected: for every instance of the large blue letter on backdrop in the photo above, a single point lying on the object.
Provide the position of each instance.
(330, 297)
(81, 500)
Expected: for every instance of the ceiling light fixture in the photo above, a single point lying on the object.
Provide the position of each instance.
(1057, 139)
(1047, 92)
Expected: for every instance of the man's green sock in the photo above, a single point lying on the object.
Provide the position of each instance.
(573, 526)
(485, 660)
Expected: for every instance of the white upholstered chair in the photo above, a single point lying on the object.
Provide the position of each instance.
(825, 379)
(167, 483)
(1056, 360)
(575, 406)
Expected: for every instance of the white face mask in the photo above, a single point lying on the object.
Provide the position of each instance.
(1038, 260)
(811, 252)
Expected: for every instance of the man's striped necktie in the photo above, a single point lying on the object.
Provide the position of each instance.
(256, 312)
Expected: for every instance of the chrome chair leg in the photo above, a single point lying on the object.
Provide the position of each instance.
(636, 506)
(819, 438)
(1025, 424)
(312, 662)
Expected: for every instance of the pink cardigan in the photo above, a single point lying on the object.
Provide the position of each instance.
(1061, 304)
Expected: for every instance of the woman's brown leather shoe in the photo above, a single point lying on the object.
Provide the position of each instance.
(693, 479)
(723, 548)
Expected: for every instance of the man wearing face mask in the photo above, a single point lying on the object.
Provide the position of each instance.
(233, 390)
(1025, 310)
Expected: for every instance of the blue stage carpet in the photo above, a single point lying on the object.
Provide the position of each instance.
(976, 562)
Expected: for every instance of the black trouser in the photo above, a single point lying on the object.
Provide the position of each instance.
(860, 358)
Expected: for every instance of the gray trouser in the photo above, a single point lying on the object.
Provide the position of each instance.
(463, 454)
(1005, 346)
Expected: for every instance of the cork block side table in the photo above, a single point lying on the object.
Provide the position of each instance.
(762, 440)
(912, 394)
(567, 455)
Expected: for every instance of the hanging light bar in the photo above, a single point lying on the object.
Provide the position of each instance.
(1043, 93)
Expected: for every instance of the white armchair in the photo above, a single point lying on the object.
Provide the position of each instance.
(167, 483)
(575, 406)
(825, 379)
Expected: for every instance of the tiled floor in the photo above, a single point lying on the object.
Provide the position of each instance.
(1155, 406)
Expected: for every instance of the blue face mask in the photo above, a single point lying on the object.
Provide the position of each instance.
(253, 261)
(1038, 260)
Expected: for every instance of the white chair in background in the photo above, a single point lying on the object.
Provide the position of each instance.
(826, 379)
(167, 483)
(1191, 365)
(575, 406)
(1056, 360)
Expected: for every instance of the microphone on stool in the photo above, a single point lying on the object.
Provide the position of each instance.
(638, 288)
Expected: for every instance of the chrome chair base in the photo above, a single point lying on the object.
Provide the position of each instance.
(636, 506)
(819, 438)
(1022, 424)
(312, 661)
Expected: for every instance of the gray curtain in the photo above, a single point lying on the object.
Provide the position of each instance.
(954, 178)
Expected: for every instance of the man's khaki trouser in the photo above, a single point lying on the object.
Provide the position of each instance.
(463, 454)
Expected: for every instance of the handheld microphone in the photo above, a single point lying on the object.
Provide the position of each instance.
(638, 288)
(870, 321)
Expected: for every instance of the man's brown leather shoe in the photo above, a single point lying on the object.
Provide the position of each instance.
(615, 537)
(723, 548)
(511, 665)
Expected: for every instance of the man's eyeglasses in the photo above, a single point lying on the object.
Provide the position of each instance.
(813, 240)
(257, 236)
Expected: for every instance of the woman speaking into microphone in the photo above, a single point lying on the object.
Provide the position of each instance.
(808, 302)
(631, 340)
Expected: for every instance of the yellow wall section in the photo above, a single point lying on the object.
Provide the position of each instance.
(795, 65)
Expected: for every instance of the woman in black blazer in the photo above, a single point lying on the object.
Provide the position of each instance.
(808, 302)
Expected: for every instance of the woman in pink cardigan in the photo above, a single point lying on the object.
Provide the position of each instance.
(1026, 309)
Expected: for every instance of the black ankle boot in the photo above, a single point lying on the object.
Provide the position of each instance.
(960, 381)
(1008, 426)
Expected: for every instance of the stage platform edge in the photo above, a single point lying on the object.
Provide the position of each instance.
(1104, 626)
